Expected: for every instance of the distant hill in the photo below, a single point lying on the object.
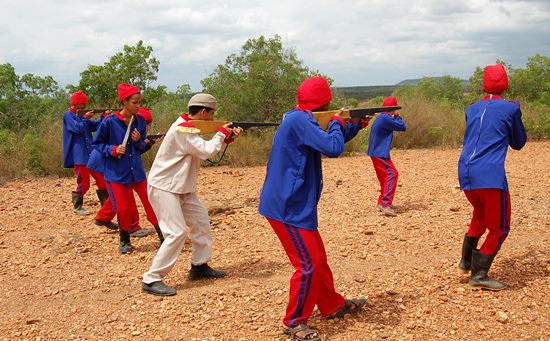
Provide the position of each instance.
(363, 93)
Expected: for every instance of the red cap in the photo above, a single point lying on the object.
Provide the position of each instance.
(146, 114)
(495, 79)
(314, 93)
(127, 90)
(78, 97)
(389, 101)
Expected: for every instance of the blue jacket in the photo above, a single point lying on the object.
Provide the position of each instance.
(77, 138)
(491, 125)
(381, 134)
(294, 178)
(127, 168)
(96, 162)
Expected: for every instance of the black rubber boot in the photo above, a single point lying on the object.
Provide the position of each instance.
(469, 245)
(125, 245)
(159, 232)
(481, 263)
(204, 271)
(78, 200)
(102, 195)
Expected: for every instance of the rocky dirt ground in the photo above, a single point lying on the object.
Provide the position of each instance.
(63, 278)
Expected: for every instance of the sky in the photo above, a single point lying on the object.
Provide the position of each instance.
(356, 43)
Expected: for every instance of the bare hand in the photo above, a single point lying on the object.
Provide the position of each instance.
(366, 120)
(237, 131)
(227, 126)
(159, 140)
(339, 112)
(121, 150)
(136, 135)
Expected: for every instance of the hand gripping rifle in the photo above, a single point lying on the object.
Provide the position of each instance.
(323, 117)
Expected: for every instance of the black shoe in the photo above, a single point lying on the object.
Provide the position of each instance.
(108, 224)
(141, 232)
(158, 288)
(481, 263)
(125, 245)
(468, 245)
(204, 271)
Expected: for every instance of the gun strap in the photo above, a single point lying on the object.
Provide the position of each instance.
(217, 162)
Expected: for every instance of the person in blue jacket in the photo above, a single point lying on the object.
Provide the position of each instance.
(77, 146)
(123, 168)
(380, 139)
(289, 199)
(492, 124)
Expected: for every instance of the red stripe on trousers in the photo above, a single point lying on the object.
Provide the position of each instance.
(321, 291)
(387, 179)
(126, 207)
(492, 211)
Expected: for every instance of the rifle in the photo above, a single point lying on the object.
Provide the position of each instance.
(209, 127)
(81, 112)
(323, 117)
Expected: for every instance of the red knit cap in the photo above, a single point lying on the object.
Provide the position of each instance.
(78, 97)
(127, 90)
(146, 114)
(314, 93)
(389, 101)
(495, 79)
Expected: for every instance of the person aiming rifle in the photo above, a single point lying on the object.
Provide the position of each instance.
(77, 147)
(172, 191)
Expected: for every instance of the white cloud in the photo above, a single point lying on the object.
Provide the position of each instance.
(366, 42)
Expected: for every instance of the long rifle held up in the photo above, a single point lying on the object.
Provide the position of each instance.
(323, 117)
(81, 112)
(209, 127)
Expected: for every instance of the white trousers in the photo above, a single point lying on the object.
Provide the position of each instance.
(175, 212)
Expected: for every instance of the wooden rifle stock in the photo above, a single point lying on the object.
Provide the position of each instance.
(210, 127)
(323, 117)
(81, 112)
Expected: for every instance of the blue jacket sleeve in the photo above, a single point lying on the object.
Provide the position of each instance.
(518, 136)
(352, 130)
(101, 140)
(74, 123)
(395, 124)
(94, 124)
(330, 143)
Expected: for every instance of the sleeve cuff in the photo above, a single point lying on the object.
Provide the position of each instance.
(339, 119)
(224, 131)
(113, 152)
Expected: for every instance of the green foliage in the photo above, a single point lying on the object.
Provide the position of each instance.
(260, 83)
(25, 100)
(134, 65)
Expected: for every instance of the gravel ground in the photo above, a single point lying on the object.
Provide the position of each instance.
(63, 278)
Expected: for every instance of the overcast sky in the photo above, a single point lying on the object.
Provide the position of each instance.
(364, 42)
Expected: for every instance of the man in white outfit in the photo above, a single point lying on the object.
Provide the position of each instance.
(172, 192)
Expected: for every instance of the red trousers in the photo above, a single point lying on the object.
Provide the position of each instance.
(492, 212)
(125, 204)
(312, 282)
(387, 176)
(83, 179)
(106, 212)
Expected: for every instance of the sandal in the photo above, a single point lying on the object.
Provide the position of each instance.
(302, 332)
(350, 306)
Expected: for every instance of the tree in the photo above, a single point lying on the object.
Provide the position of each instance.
(260, 83)
(134, 65)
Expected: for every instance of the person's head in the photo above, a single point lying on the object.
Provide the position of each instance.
(130, 97)
(314, 94)
(495, 79)
(147, 116)
(79, 100)
(202, 107)
(390, 102)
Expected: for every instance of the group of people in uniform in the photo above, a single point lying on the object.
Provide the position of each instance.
(292, 186)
